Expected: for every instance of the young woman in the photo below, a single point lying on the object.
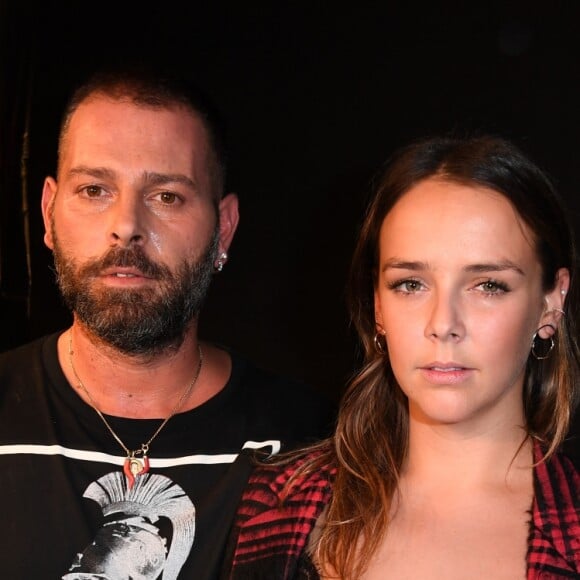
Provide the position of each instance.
(445, 462)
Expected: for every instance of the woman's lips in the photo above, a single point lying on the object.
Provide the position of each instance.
(446, 374)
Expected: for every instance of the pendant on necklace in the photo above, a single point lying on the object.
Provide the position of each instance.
(135, 466)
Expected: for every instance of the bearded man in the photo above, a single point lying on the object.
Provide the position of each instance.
(127, 425)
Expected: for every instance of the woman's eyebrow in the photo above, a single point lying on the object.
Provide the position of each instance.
(417, 266)
(495, 267)
(395, 263)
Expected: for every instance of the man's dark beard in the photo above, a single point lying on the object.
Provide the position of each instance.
(141, 321)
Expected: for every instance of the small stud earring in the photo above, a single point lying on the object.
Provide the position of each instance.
(219, 265)
(563, 292)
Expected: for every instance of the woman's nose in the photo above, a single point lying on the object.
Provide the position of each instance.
(444, 319)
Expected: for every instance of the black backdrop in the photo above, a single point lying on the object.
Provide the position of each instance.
(316, 96)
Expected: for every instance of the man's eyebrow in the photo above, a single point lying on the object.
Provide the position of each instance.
(97, 172)
(154, 178)
(418, 266)
(150, 177)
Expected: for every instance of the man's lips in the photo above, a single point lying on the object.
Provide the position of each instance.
(123, 273)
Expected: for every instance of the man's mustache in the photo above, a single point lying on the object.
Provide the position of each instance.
(127, 258)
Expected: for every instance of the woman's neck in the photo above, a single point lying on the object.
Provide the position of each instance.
(455, 455)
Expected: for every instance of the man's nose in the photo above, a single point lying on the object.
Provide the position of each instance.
(127, 221)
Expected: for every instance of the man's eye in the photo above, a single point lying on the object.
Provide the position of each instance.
(93, 191)
(167, 197)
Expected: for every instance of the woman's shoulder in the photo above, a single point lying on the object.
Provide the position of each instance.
(557, 475)
(277, 513)
(303, 477)
(555, 531)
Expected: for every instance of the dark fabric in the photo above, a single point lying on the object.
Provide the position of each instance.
(54, 450)
(271, 532)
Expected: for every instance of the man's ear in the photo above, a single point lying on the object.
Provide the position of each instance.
(229, 217)
(555, 300)
(47, 205)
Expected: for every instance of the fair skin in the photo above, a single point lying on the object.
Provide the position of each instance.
(459, 296)
(135, 175)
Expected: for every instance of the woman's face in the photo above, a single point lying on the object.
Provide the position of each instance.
(459, 297)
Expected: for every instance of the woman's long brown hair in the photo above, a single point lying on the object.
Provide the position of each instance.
(370, 441)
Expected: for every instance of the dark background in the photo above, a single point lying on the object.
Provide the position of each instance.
(316, 97)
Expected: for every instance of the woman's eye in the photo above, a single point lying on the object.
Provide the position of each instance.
(406, 286)
(493, 287)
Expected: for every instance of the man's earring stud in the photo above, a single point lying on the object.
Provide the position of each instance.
(219, 265)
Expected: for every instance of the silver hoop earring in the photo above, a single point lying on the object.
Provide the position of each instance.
(219, 265)
(380, 345)
(542, 352)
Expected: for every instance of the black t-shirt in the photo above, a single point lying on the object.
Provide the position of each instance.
(67, 510)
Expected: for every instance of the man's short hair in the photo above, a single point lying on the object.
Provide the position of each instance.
(156, 87)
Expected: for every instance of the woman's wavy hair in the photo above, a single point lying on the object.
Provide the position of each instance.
(370, 441)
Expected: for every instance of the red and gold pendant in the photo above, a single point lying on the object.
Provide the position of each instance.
(135, 466)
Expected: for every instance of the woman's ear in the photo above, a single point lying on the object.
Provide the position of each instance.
(555, 301)
(378, 314)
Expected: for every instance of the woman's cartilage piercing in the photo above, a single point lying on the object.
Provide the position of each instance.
(556, 310)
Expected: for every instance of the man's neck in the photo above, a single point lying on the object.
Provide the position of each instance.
(140, 387)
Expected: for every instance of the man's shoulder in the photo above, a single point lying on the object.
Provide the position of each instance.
(20, 357)
(23, 375)
(261, 380)
(264, 383)
(273, 398)
(28, 365)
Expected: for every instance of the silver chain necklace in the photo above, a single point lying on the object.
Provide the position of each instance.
(137, 461)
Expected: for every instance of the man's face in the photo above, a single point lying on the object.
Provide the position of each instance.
(133, 222)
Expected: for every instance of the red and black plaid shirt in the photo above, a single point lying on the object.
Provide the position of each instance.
(554, 541)
(270, 537)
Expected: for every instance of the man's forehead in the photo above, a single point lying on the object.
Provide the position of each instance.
(102, 116)
(99, 104)
(102, 119)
